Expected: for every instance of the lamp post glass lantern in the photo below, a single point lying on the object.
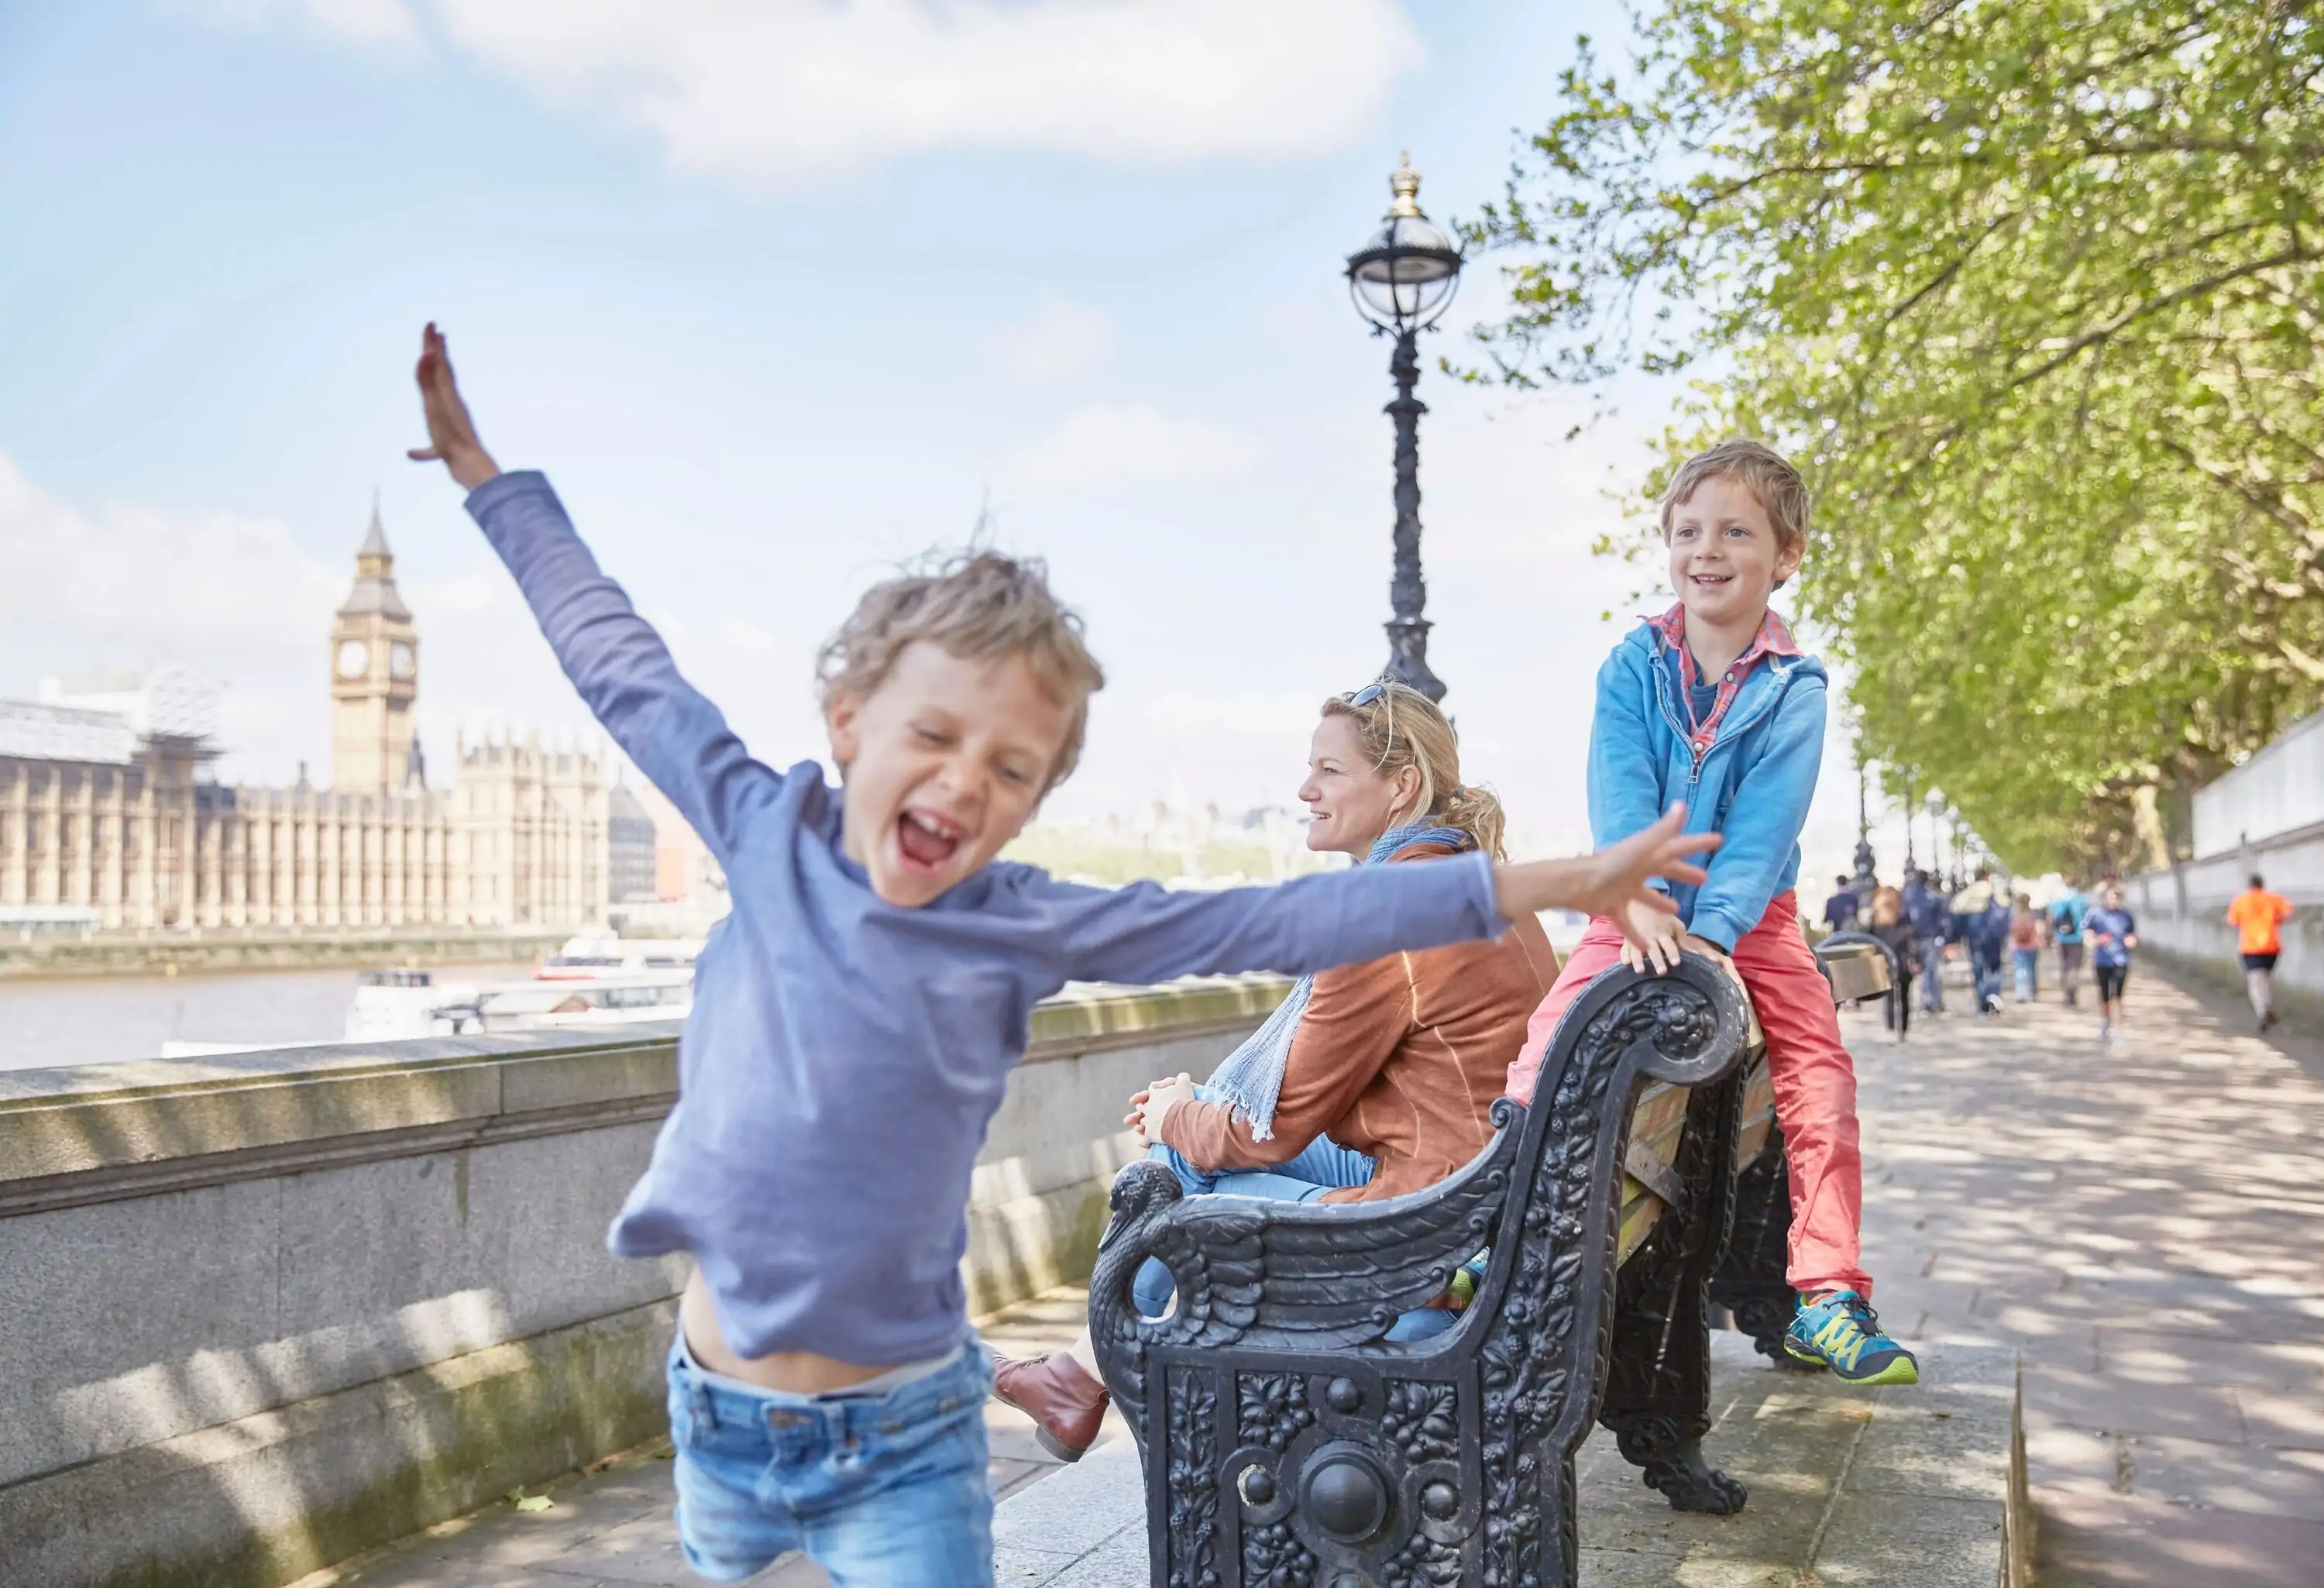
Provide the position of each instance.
(1402, 281)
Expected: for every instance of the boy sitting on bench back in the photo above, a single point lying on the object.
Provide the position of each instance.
(1712, 706)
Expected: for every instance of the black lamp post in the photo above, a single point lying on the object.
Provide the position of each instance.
(1402, 281)
(1865, 863)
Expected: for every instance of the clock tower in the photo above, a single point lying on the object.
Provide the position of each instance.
(375, 677)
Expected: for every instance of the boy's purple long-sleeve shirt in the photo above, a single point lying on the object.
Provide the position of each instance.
(844, 1056)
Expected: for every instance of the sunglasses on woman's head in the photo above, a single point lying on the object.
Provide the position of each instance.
(1369, 693)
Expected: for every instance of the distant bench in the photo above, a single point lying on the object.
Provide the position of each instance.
(1287, 1443)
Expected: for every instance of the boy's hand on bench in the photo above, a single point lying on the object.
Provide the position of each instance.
(1612, 883)
(451, 433)
(1715, 955)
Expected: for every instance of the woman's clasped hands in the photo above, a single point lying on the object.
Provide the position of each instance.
(1147, 1108)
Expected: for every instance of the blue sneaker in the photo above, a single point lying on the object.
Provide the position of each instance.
(1841, 1333)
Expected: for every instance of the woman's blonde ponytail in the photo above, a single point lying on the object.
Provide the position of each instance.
(1478, 813)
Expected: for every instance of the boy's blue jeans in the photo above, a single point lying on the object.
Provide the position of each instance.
(882, 1490)
(1323, 1165)
(1932, 974)
(1985, 962)
(2028, 965)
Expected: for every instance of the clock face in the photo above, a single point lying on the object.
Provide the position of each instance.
(400, 660)
(355, 658)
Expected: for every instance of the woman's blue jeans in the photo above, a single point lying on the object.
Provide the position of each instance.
(1323, 1165)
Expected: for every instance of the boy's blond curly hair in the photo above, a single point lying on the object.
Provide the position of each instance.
(980, 605)
(1760, 469)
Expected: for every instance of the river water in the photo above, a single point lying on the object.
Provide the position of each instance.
(97, 1019)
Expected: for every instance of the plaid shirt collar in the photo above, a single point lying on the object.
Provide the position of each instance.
(1774, 639)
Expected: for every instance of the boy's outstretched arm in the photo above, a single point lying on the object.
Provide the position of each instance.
(1147, 933)
(614, 657)
(1614, 882)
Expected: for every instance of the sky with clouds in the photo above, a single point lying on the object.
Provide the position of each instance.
(779, 291)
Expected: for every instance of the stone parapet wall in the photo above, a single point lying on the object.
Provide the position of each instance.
(261, 1311)
(29, 954)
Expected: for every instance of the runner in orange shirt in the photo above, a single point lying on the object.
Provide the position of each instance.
(2258, 915)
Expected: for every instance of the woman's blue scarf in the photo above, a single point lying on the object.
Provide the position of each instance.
(1250, 1078)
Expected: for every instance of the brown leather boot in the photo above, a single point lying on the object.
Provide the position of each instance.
(1066, 1404)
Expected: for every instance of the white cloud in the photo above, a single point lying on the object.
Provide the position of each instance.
(1128, 444)
(782, 93)
(375, 23)
(232, 597)
(1055, 342)
(742, 637)
(133, 579)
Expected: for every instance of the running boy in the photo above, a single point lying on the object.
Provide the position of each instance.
(1712, 704)
(857, 1014)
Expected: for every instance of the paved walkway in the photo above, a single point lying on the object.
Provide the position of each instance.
(2146, 1227)
(1850, 1488)
(612, 1529)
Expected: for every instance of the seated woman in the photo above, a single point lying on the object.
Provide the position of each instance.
(1372, 1080)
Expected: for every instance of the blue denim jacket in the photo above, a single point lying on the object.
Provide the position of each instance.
(1753, 784)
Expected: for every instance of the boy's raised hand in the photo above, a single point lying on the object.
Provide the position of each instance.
(1611, 883)
(451, 433)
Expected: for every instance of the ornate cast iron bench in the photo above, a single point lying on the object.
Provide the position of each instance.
(1288, 1445)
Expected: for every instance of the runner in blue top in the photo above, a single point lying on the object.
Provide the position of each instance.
(2068, 912)
(2113, 933)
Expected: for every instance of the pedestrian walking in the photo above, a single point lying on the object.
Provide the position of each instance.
(1981, 921)
(1892, 925)
(1840, 911)
(2067, 910)
(1925, 908)
(2258, 917)
(2026, 947)
(2113, 933)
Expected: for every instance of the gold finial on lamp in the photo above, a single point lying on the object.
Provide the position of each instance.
(1405, 183)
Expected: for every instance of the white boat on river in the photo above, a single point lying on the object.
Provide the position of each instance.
(393, 1005)
(596, 982)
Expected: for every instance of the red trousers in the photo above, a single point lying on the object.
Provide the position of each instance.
(1814, 1081)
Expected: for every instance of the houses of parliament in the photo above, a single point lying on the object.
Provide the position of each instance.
(107, 807)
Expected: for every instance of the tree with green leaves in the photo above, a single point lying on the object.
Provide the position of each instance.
(2032, 294)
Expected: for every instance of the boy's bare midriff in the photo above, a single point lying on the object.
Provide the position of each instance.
(793, 1372)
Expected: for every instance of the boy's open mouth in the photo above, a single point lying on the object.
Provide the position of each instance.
(1711, 581)
(927, 840)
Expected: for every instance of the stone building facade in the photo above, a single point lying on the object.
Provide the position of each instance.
(630, 843)
(112, 811)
